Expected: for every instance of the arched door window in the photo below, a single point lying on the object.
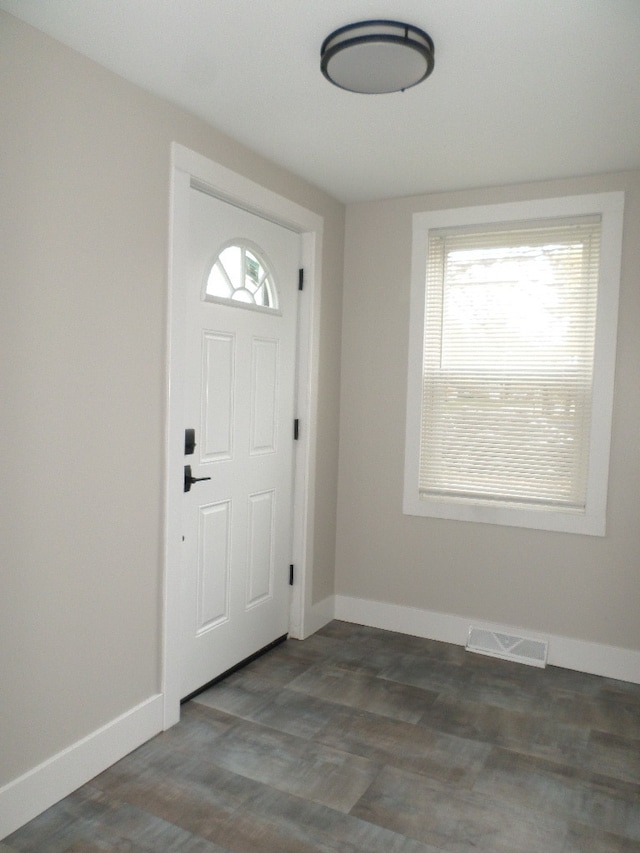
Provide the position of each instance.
(241, 275)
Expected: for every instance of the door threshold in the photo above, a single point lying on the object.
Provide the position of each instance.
(235, 668)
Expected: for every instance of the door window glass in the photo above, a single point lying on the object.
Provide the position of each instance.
(241, 275)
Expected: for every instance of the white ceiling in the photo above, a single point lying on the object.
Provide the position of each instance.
(522, 89)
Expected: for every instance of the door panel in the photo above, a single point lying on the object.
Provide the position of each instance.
(217, 384)
(264, 385)
(213, 565)
(260, 548)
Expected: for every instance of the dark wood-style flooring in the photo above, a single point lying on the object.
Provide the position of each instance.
(364, 740)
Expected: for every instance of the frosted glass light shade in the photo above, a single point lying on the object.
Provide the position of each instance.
(377, 57)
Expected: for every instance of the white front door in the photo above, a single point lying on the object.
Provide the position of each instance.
(240, 370)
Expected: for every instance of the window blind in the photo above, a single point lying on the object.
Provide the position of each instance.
(508, 363)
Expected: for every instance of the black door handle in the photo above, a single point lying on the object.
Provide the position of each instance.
(189, 480)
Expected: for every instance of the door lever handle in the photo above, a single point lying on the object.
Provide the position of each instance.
(189, 480)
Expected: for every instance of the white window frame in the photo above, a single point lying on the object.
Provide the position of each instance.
(592, 521)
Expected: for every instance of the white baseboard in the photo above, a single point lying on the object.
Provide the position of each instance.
(27, 796)
(404, 620)
(593, 658)
(316, 617)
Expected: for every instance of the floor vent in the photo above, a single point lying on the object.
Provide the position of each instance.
(507, 646)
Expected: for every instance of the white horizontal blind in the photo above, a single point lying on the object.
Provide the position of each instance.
(508, 363)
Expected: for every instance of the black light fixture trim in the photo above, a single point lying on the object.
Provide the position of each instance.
(378, 33)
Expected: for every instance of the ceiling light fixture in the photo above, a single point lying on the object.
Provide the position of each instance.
(377, 57)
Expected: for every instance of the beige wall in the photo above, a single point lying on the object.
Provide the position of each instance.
(84, 182)
(575, 586)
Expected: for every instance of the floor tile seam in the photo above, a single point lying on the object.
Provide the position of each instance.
(239, 715)
(525, 751)
(187, 788)
(374, 716)
(618, 740)
(367, 676)
(235, 719)
(351, 668)
(476, 796)
(358, 708)
(332, 707)
(197, 759)
(254, 684)
(603, 779)
(59, 833)
(435, 842)
(209, 713)
(176, 749)
(241, 720)
(529, 690)
(170, 824)
(345, 815)
(535, 717)
(302, 659)
(472, 732)
(265, 727)
(585, 828)
(332, 704)
(551, 762)
(460, 794)
(390, 656)
(278, 729)
(231, 819)
(372, 783)
(323, 805)
(236, 727)
(105, 797)
(550, 806)
(179, 827)
(508, 808)
(282, 789)
(428, 845)
(304, 741)
(191, 791)
(617, 698)
(318, 738)
(394, 679)
(612, 727)
(344, 668)
(435, 734)
(274, 682)
(461, 835)
(630, 693)
(408, 661)
(78, 826)
(595, 823)
(405, 765)
(577, 771)
(466, 700)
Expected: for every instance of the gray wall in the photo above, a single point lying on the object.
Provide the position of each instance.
(84, 207)
(574, 586)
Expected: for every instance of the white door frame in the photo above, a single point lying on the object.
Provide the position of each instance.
(191, 169)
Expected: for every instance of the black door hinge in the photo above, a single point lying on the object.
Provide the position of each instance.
(291, 575)
(296, 429)
(300, 279)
